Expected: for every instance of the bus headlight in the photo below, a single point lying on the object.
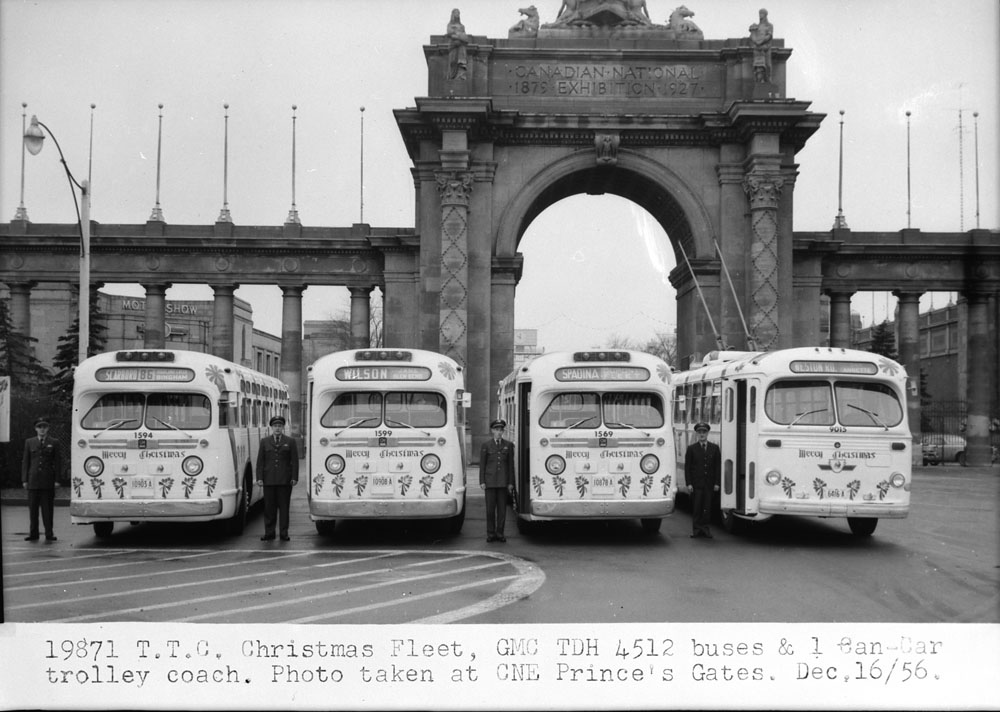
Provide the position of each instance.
(335, 464)
(555, 465)
(898, 479)
(430, 464)
(192, 465)
(93, 466)
(773, 477)
(649, 464)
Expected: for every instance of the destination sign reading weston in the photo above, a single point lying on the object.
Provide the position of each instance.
(608, 79)
(126, 374)
(602, 373)
(383, 373)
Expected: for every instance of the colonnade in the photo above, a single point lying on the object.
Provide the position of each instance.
(980, 362)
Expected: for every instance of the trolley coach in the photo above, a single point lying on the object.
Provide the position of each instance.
(804, 431)
(163, 435)
(592, 437)
(387, 437)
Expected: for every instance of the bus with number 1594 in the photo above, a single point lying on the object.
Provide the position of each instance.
(167, 436)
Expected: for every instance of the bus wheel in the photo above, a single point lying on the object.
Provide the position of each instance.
(103, 529)
(325, 527)
(524, 527)
(237, 524)
(455, 523)
(731, 523)
(862, 526)
(651, 526)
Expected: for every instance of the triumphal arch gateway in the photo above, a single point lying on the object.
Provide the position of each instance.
(604, 98)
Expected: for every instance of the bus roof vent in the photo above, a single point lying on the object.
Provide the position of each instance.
(145, 356)
(601, 356)
(383, 355)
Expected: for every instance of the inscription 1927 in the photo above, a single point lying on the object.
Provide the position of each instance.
(674, 81)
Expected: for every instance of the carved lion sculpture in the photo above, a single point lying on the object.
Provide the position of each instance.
(527, 26)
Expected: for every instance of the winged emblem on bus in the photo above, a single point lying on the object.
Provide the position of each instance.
(447, 370)
(215, 375)
(888, 367)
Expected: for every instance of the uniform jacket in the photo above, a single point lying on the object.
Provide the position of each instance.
(702, 467)
(277, 462)
(496, 463)
(42, 465)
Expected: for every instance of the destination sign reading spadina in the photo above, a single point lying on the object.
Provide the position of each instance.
(383, 373)
(602, 373)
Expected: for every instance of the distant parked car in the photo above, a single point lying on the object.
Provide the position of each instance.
(943, 447)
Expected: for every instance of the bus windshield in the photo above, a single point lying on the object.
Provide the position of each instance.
(153, 411)
(418, 409)
(615, 410)
(871, 404)
(858, 404)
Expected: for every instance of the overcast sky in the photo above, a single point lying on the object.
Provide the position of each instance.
(875, 60)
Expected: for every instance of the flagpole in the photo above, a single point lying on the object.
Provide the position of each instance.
(22, 212)
(840, 222)
(362, 164)
(908, 203)
(157, 213)
(293, 213)
(224, 214)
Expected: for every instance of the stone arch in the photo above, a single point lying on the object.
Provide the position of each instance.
(636, 177)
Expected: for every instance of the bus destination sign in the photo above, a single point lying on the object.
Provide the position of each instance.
(844, 367)
(383, 373)
(602, 373)
(123, 374)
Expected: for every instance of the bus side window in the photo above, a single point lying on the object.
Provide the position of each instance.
(729, 405)
(753, 404)
(716, 406)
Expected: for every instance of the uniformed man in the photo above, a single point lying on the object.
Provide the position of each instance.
(496, 477)
(702, 470)
(41, 466)
(277, 472)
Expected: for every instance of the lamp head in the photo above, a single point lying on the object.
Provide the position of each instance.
(34, 136)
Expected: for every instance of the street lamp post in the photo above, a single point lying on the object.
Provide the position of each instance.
(33, 140)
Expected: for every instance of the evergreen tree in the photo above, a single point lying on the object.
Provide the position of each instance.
(17, 358)
(67, 353)
(884, 341)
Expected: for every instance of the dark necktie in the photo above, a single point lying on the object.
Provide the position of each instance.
(704, 447)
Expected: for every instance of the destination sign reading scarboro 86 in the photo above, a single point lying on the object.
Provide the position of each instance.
(632, 80)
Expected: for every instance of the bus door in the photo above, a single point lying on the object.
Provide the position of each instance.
(737, 432)
(523, 419)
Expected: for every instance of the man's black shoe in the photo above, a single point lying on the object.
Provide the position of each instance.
(267, 538)
(31, 538)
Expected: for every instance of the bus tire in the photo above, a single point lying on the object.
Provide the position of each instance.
(325, 527)
(862, 526)
(524, 527)
(455, 523)
(102, 530)
(238, 522)
(731, 523)
(651, 526)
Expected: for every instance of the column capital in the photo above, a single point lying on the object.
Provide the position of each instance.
(224, 289)
(293, 290)
(763, 189)
(360, 292)
(156, 287)
(455, 187)
(907, 295)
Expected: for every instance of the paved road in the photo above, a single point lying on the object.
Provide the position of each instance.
(940, 564)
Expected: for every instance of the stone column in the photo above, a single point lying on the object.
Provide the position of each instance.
(20, 307)
(732, 216)
(154, 334)
(909, 356)
(291, 354)
(455, 187)
(506, 273)
(978, 383)
(360, 317)
(840, 319)
(222, 321)
(763, 189)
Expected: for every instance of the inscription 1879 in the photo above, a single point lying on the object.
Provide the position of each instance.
(673, 81)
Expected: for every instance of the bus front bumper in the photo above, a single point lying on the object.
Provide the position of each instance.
(600, 509)
(83, 512)
(882, 510)
(383, 509)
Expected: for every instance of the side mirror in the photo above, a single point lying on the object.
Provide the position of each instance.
(466, 400)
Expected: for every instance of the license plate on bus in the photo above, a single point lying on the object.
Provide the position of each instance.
(602, 485)
(141, 487)
(383, 484)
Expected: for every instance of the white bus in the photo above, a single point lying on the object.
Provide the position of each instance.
(167, 436)
(386, 437)
(592, 437)
(808, 431)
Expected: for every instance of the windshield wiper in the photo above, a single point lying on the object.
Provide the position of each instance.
(800, 416)
(873, 416)
(574, 425)
(356, 424)
(390, 421)
(116, 424)
(628, 425)
(173, 427)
